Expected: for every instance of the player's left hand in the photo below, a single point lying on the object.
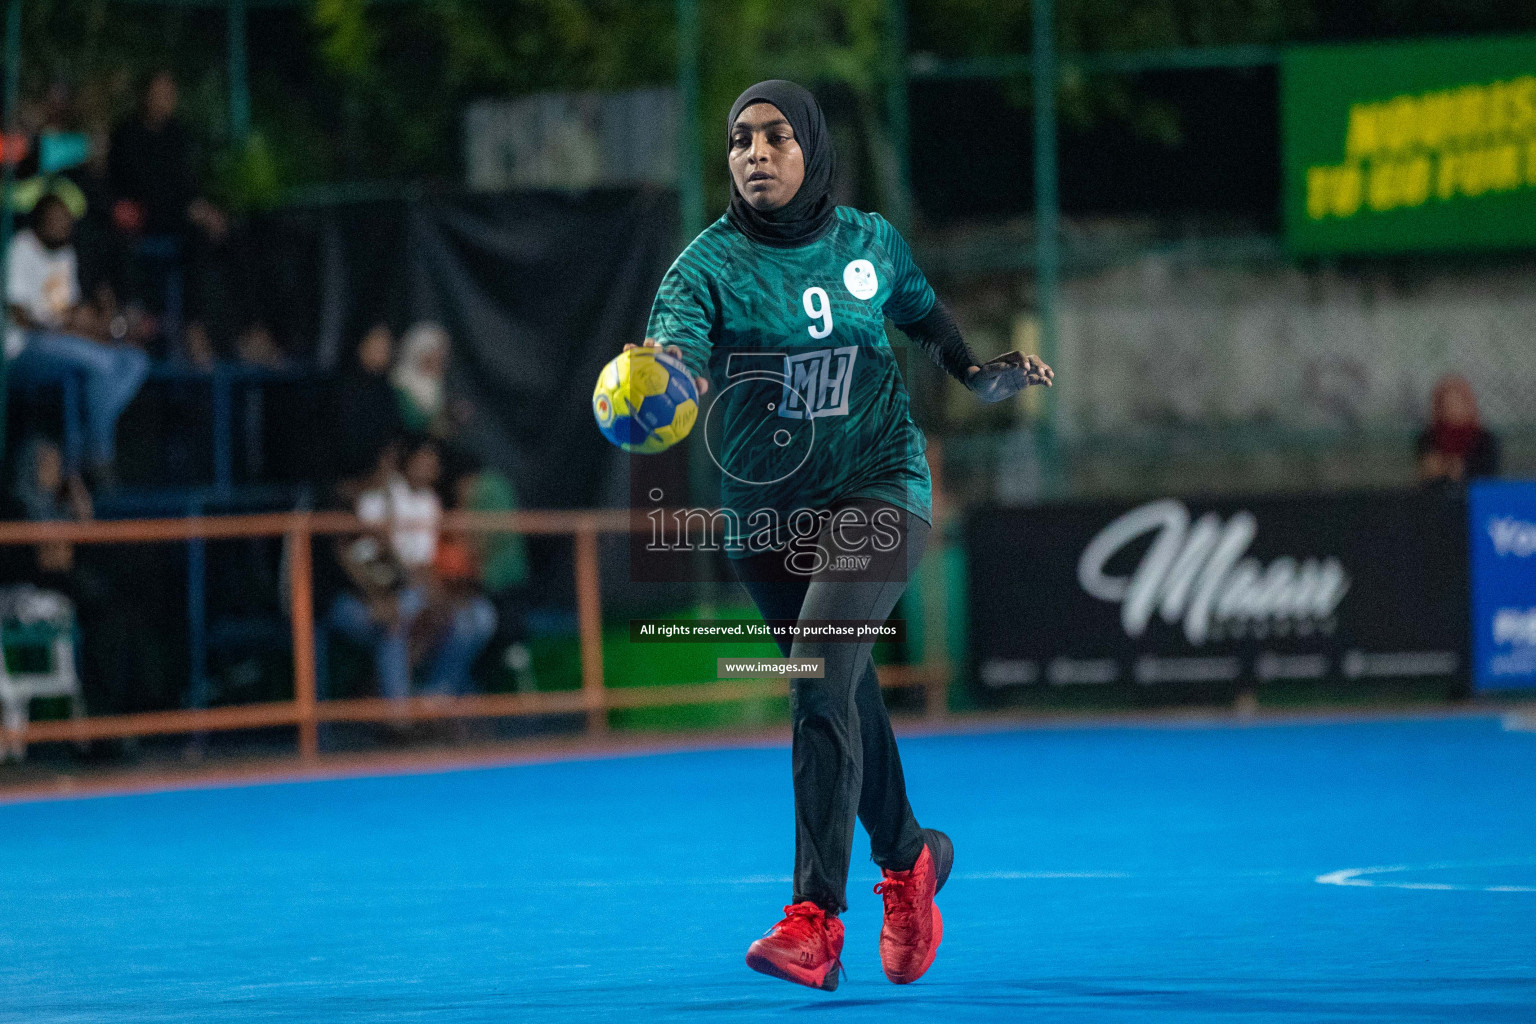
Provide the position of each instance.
(1007, 375)
(701, 384)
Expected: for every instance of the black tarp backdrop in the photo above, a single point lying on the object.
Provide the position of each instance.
(1183, 599)
(537, 291)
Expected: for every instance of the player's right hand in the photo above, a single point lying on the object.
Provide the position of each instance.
(700, 383)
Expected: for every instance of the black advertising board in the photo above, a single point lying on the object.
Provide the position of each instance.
(1230, 592)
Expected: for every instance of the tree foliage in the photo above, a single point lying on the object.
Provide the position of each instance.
(353, 89)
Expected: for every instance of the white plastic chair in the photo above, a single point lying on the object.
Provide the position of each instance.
(19, 689)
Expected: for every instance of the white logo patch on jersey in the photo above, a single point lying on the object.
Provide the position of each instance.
(860, 278)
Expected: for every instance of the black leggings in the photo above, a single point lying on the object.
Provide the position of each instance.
(845, 758)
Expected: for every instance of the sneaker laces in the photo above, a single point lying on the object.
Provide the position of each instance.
(802, 921)
(898, 900)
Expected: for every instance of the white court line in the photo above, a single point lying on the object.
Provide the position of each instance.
(985, 876)
(971, 876)
(613, 883)
(1520, 721)
(1361, 877)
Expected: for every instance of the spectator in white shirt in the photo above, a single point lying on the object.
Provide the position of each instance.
(52, 336)
(393, 571)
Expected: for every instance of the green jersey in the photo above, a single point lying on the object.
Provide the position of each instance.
(810, 408)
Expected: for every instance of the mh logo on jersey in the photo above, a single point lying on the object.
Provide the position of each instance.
(818, 383)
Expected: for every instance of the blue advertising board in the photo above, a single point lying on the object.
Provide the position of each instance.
(1503, 545)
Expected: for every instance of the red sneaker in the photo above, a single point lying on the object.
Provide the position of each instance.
(806, 948)
(913, 928)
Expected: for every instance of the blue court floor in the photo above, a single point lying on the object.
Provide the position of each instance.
(1379, 871)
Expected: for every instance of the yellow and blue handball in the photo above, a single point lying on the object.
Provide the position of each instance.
(645, 401)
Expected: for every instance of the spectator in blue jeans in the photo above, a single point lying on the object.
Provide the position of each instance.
(399, 609)
(54, 337)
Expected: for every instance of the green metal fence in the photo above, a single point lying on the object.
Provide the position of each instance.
(1044, 255)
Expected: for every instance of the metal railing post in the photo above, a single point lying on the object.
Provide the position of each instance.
(690, 174)
(238, 77)
(899, 203)
(589, 624)
(301, 594)
(935, 592)
(222, 390)
(1047, 217)
(8, 171)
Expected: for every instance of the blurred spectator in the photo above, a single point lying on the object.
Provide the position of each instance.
(419, 379)
(50, 587)
(178, 234)
(493, 564)
(118, 655)
(94, 176)
(54, 148)
(1455, 446)
(151, 169)
(503, 558)
(71, 162)
(400, 608)
(378, 612)
(367, 410)
(45, 492)
(257, 347)
(54, 336)
(457, 621)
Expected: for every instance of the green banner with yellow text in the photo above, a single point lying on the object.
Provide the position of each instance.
(1410, 146)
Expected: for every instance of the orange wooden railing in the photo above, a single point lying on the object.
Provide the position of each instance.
(305, 712)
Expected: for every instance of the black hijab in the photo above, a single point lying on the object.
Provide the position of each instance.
(807, 216)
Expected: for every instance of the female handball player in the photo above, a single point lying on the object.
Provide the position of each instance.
(783, 301)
